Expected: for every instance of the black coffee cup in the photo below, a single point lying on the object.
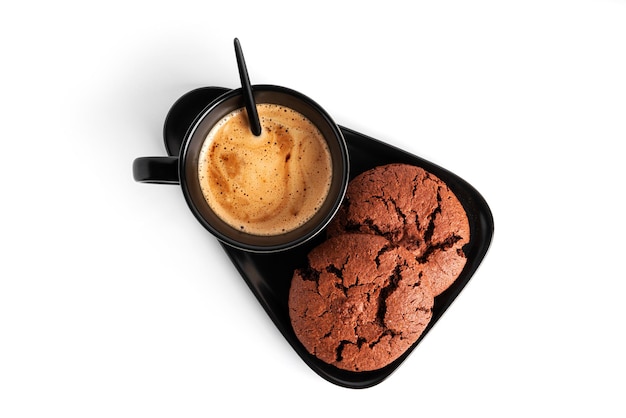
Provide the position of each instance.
(183, 169)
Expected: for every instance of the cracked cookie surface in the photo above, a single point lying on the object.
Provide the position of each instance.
(360, 302)
(414, 209)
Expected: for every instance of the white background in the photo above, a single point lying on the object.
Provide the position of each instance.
(115, 302)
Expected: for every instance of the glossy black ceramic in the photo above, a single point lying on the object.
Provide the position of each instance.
(181, 167)
(269, 275)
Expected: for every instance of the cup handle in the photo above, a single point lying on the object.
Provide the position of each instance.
(158, 170)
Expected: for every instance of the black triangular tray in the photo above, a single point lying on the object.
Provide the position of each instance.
(269, 275)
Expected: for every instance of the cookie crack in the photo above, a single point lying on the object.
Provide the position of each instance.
(339, 350)
(440, 246)
(418, 283)
(397, 210)
(352, 226)
(308, 273)
(387, 290)
(382, 251)
(371, 225)
(332, 269)
(384, 334)
(415, 186)
(430, 229)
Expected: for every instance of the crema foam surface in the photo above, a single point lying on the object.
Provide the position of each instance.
(268, 184)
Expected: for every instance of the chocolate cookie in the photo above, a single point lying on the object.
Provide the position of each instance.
(360, 303)
(411, 208)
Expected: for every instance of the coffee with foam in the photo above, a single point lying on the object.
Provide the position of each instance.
(270, 184)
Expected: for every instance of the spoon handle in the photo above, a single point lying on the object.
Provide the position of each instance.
(253, 116)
